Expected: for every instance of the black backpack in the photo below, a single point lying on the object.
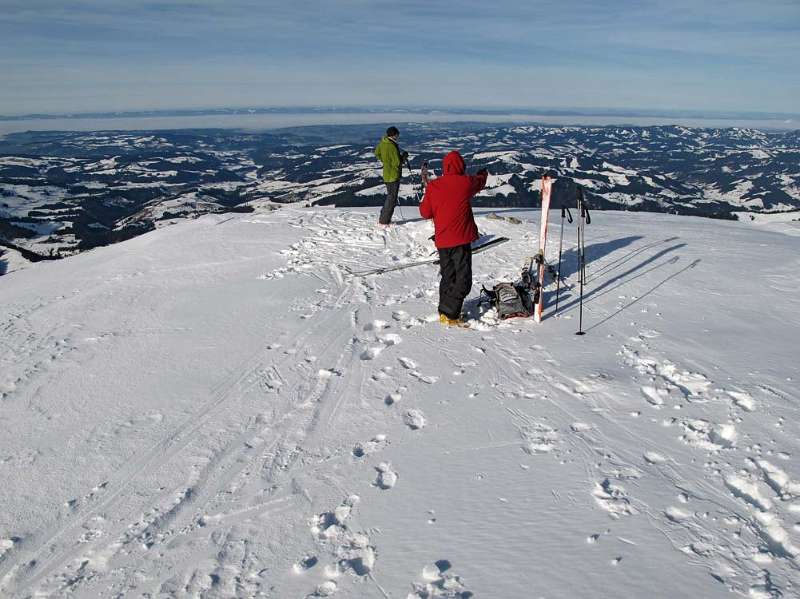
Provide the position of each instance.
(514, 299)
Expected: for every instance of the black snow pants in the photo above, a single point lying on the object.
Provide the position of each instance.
(456, 270)
(392, 190)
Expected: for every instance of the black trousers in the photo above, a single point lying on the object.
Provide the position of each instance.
(456, 270)
(392, 190)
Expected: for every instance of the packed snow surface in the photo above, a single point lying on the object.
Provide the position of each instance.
(220, 409)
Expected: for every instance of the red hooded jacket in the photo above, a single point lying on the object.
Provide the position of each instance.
(447, 199)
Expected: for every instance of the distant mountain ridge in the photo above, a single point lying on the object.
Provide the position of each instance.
(64, 192)
(410, 110)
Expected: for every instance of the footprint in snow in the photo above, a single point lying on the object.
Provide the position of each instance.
(746, 488)
(649, 334)
(328, 525)
(376, 325)
(652, 457)
(412, 322)
(408, 363)
(779, 480)
(743, 400)
(390, 339)
(709, 436)
(428, 380)
(7, 544)
(538, 436)
(353, 551)
(437, 580)
(374, 445)
(372, 352)
(677, 515)
(613, 499)
(700, 548)
(763, 588)
(654, 396)
(326, 373)
(326, 589)
(304, 564)
(392, 398)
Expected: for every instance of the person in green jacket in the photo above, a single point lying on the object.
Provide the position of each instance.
(392, 157)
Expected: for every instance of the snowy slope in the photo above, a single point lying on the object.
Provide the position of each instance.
(11, 260)
(218, 409)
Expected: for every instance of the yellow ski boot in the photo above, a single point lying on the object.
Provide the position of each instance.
(452, 322)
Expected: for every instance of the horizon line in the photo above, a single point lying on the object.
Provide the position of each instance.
(414, 109)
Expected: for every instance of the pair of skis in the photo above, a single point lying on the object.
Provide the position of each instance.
(583, 219)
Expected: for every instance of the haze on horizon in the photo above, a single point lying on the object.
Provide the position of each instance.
(110, 55)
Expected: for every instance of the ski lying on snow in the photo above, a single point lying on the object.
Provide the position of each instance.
(478, 246)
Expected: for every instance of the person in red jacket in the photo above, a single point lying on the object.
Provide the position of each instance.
(447, 202)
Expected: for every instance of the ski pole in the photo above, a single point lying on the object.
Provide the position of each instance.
(416, 193)
(398, 204)
(587, 220)
(564, 213)
(581, 254)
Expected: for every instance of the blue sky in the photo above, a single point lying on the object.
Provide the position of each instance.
(105, 55)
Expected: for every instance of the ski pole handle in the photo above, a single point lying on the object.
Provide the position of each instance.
(584, 208)
(566, 213)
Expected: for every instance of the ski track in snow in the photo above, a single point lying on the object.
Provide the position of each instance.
(160, 519)
(282, 435)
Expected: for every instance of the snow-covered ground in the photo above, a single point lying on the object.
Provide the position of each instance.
(785, 222)
(217, 408)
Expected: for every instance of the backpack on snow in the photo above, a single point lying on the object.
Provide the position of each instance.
(514, 299)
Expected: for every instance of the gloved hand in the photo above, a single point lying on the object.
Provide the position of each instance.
(404, 156)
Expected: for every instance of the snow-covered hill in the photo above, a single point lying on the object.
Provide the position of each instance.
(219, 409)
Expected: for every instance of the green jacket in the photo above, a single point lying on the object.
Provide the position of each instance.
(389, 154)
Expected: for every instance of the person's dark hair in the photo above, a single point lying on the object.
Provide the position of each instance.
(392, 131)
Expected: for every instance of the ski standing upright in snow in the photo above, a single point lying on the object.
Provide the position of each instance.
(547, 185)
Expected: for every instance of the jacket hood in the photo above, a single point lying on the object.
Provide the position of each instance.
(453, 164)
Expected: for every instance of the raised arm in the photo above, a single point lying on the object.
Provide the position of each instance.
(478, 181)
(425, 210)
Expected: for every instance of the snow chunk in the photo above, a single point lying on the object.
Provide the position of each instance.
(414, 419)
(748, 491)
(387, 478)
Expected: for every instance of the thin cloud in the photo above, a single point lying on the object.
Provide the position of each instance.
(354, 45)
